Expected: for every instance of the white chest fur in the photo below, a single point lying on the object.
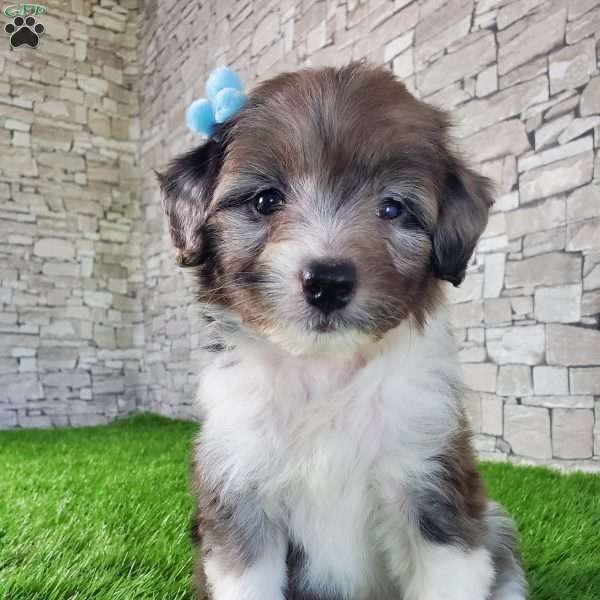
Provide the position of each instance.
(330, 443)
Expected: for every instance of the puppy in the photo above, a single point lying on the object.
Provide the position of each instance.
(334, 461)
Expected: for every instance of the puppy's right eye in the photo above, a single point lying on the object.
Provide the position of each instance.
(268, 201)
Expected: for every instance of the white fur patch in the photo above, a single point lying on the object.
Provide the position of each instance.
(450, 573)
(330, 445)
(263, 580)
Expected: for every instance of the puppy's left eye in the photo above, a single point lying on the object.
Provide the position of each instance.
(268, 201)
(390, 209)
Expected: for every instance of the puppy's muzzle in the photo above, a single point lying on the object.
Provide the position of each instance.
(328, 286)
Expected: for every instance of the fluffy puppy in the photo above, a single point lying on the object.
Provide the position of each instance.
(334, 461)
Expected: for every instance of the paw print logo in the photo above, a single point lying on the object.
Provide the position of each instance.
(24, 32)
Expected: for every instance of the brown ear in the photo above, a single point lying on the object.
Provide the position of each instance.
(465, 205)
(187, 188)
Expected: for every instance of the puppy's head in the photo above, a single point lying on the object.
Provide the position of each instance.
(329, 209)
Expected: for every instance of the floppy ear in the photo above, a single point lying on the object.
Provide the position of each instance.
(465, 205)
(187, 188)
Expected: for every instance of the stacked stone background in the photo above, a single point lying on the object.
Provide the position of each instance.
(71, 319)
(522, 80)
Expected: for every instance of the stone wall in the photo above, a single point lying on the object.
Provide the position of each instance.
(109, 308)
(522, 81)
(71, 331)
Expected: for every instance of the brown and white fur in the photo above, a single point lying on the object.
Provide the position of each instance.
(334, 461)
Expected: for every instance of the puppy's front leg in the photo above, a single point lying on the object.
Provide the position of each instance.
(262, 578)
(242, 551)
(439, 542)
(448, 572)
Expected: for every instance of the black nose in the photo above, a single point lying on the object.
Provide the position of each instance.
(328, 286)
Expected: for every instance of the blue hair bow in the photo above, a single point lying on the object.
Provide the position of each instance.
(225, 98)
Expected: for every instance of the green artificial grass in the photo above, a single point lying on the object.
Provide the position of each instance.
(103, 513)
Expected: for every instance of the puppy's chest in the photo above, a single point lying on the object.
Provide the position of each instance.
(326, 487)
(327, 457)
(320, 452)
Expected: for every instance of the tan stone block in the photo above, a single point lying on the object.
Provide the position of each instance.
(492, 414)
(549, 132)
(535, 38)
(268, 58)
(104, 336)
(590, 98)
(553, 401)
(399, 23)
(480, 377)
(16, 125)
(585, 380)
(472, 354)
(55, 138)
(560, 304)
(109, 19)
(58, 48)
(590, 302)
(514, 380)
(61, 269)
(481, 113)
(497, 310)
(265, 33)
(449, 97)
(397, 46)
(544, 215)
(466, 314)
(522, 306)
(98, 299)
(434, 47)
(92, 85)
(472, 403)
(518, 344)
(67, 379)
(59, 160)
(572, 346)
(548, 269)
(507, 137)
(112, 74)
(54, 248)
(494, 270)
(487, 81)
(572, 433)
(539, 159)
(548, 381)
(583, 27)
(567, 104)
(578, 127)
(509, 12)
(403, 65)
(556, 177)
(470, 289)
(578, 8)
(99, 124)
(119, 128)
(572, 66)
(524, 73)
(583, 236)
(540, 242)
(527, 430)
(18, 161)
(457, 65)
(584, 203)
(503, 172)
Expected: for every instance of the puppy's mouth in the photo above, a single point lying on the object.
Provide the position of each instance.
(330, 323)
(326, 326)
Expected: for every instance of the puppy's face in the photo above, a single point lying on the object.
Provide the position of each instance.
(328, 210)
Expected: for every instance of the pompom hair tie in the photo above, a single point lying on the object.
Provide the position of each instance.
(225, 98)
